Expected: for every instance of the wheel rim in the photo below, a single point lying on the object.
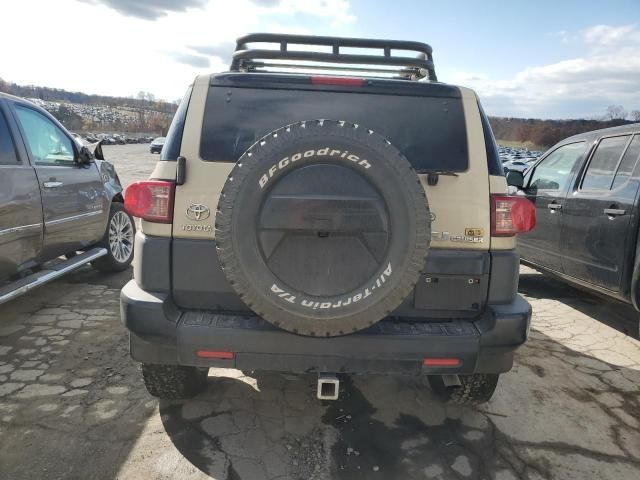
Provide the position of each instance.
(121, 237)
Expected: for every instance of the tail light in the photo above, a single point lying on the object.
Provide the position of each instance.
(511, 215)
(150, 200)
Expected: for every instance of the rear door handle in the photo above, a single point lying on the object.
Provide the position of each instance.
(614, 212)
(554, 206)
(52, 184)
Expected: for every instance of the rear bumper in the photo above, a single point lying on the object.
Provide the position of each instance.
(161, 333)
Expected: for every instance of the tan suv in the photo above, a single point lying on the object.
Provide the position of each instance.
(303, 222)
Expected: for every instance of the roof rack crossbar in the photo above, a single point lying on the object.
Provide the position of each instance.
(256, 65)
(420, 66)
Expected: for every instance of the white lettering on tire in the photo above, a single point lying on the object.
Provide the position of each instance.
(322, 152)
(289, 297)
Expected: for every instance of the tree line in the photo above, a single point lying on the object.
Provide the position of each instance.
(150, 114)
(143, 100)
(545, 133)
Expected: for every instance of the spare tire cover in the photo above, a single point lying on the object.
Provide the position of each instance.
(322, 228)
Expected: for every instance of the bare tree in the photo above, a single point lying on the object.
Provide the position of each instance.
(142, 96)
(635, 115)
(615, 112)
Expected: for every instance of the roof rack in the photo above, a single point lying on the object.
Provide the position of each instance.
(247, 59)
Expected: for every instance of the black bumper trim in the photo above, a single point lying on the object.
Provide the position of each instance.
(484, 345)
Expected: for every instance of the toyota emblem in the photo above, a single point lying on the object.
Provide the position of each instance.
(197, 211)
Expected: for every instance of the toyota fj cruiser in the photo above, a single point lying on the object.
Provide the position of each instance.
(301, 222)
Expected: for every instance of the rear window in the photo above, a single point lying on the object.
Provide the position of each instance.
(627, 163)
(429, 131)
(604, 162)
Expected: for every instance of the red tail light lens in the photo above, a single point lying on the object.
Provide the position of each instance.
(345, 81)
(150, 200)
(215, 354)
(441, 362)
(511, 215)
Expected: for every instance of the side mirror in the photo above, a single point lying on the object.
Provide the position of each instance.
(84, 155)
(515, 179)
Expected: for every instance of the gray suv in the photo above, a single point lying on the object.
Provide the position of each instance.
(57, 197)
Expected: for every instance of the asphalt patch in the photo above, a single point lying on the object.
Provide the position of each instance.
(367, 448)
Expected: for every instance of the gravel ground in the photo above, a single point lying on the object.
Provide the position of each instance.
(72, 404)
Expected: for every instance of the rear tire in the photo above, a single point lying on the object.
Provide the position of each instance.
(118, 240)
(174, 382)
(474, 389)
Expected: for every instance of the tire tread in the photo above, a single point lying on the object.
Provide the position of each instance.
(173, 382)
(474, 389)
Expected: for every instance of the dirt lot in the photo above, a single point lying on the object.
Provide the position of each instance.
(72, 404)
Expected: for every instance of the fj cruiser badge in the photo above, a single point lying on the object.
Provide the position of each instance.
(197, 211)
(448, 237)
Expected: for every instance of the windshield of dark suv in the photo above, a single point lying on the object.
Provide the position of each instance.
(429, 131)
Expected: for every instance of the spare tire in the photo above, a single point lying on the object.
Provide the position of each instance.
(322, 228)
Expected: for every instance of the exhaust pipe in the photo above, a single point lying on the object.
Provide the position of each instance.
(451, 380)
(328, 386)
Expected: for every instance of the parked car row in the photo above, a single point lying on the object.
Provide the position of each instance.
(517, 159)
(112, 139)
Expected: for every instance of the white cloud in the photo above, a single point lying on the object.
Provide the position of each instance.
(608, 36)
(105, 47)
(608, 73)
(337, 10)
(149, 9)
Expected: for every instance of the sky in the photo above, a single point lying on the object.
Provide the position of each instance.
(534, 59)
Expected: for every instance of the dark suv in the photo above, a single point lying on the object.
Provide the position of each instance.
(302, 222)
(585, 190)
